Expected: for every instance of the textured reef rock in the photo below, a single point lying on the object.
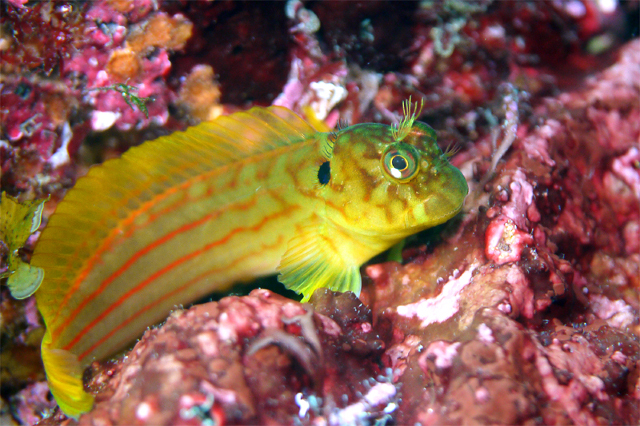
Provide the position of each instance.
(524, 309)
(259, 359)
(529, 313)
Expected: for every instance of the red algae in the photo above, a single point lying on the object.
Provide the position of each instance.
(39, 37)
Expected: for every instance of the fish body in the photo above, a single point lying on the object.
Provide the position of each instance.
(246, 195)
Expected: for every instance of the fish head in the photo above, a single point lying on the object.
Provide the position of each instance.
(391, 185)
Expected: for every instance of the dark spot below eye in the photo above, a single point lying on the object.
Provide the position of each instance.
(324, 173)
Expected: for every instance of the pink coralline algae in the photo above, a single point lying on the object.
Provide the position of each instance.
(89, 49)
(39, 137)
(33, 402)
(508, 234)
(136, 55)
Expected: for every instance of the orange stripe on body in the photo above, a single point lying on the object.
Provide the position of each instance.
(163, 271)
(115, 233)
(150, 306)
(135, 258)
(106, 244)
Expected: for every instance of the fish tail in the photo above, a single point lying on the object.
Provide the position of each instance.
(64, 374)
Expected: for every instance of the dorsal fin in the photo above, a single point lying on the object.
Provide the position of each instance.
(228, 138)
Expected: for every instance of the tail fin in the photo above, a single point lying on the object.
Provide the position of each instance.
(64, 374)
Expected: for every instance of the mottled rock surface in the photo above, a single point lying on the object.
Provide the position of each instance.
(529, 312)
(257, 359)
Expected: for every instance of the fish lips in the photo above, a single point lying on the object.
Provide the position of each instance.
(443, 204)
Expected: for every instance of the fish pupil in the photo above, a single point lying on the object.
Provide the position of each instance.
(324, 173)
(398, 163)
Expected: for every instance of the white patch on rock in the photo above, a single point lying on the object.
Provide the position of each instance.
(327, 95)
(442, 352)
(485, 334)
(102, 120)
(61, 156)
(443, 306)
(616, 312)
(355, 414)
(143, 411)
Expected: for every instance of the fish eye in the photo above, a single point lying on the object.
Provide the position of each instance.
(399, 161)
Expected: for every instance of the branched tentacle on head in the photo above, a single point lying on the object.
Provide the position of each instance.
(327, 147)
(342, 124)
(451, 150)
(410, 112)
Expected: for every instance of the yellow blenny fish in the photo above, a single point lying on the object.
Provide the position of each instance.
(245, 195)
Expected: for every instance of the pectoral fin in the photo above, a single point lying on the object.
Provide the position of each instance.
(312, 261)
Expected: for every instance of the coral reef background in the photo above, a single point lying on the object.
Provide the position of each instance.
(522, 310)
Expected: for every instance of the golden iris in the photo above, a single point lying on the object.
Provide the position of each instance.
(400, 162)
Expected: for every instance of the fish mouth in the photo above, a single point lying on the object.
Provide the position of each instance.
(425, 217)
(441, 205)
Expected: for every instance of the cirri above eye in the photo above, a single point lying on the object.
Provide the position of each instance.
(400, 162)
